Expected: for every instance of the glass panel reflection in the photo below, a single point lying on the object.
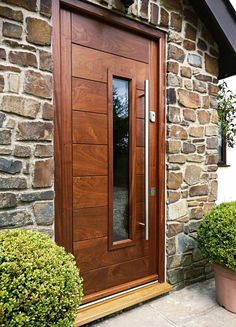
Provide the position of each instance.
(120, 159)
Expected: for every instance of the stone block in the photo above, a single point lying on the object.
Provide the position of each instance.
(43, 174)
(196, 213)
(188, 99)
(186, 72)
(196, 131)
(177, 158)
(192, 174)
(174, 146)
(24, 59)
(174, 180)
(20, 106)
(176, 21)
(201, 148)
(213, 89)
(45, 60)
(7, 183)
(171, 246)
(2, 83)
(175, 37)
(201, 45)
(174, 261)
(211, 65)
(27, 4)
(5, 136)
(189, 115)
(184, 243)
(212, 159)
(43, 213)
(178, 132)
(34, 131)
(177, 210)
(37, 196)
(174, 114)
(171, 96)
(193, 226)
(174, 229)
(199, 86)
(212, 130)
(173, 80)
(10, 166)
(37, 84)
(176, 53)
(46, 8)
(11, 14)
(188, 148)
(14, 83)
(173, 196)
(38, 31)
(212, 143)
(43, 150)
(204, 78)
(195, 158)
(189, 45)
(7, 200)
(15, 219)
(175, 276)
(172, 67)
(16, 45)
(213, 190)
(190, 32)
(164, 18)
(191, 16)
(203, 117)
(47, 111)
(22, 151)
(12, 30)
(199, 190)
(194, 60)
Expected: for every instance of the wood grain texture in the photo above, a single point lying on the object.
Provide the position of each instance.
(109, 39)
(115, 275)
(139, 188)
(90, 191)
(89, 95)
(140, 160)
(140, 104)
(140, 132)
(108, 306)
(90, 160)
(89, 223)
(93, 65)
(94, 254)
(89, 128)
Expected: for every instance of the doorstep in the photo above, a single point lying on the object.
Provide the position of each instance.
(114, 304)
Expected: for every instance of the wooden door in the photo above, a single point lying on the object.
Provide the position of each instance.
(101, 129)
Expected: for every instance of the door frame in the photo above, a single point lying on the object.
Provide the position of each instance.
(63, 229)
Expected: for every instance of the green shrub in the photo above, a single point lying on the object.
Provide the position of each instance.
(39, 282)
(217, 235)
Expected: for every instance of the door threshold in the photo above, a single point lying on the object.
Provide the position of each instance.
(114, 303)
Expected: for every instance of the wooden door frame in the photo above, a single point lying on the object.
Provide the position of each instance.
(63, 229)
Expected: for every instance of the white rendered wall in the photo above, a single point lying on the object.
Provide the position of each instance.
(227, 175)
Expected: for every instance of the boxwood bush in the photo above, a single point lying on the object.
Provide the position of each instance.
(39, 282)
(217, 235)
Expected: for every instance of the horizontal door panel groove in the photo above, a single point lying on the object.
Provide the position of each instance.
(89, 128)
(94, 254)
(89, 223)
(115, 275)
(93, 65)
(90, 191)
(89, 95)
(90, 160)
(84, 29)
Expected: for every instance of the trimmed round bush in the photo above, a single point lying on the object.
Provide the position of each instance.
(39, 282)
(217, 235)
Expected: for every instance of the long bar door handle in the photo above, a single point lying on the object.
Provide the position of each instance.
(146, 104)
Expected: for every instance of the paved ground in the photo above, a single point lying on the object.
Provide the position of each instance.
(194, 306)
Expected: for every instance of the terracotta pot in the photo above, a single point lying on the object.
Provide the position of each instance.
(225, 287)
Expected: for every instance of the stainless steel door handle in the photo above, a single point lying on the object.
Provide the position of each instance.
(146, 104)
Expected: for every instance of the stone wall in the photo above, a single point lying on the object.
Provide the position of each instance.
(191, 162)
(26, 128)
(26, 163)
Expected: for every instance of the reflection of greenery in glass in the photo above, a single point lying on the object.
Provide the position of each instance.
(227, 114)
(120, 159)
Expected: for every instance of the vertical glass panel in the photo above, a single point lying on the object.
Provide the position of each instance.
(120, 159)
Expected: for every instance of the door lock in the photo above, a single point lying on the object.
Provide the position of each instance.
(152, 116)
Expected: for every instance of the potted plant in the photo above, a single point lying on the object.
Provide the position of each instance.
(217, 241)
(39, 282)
